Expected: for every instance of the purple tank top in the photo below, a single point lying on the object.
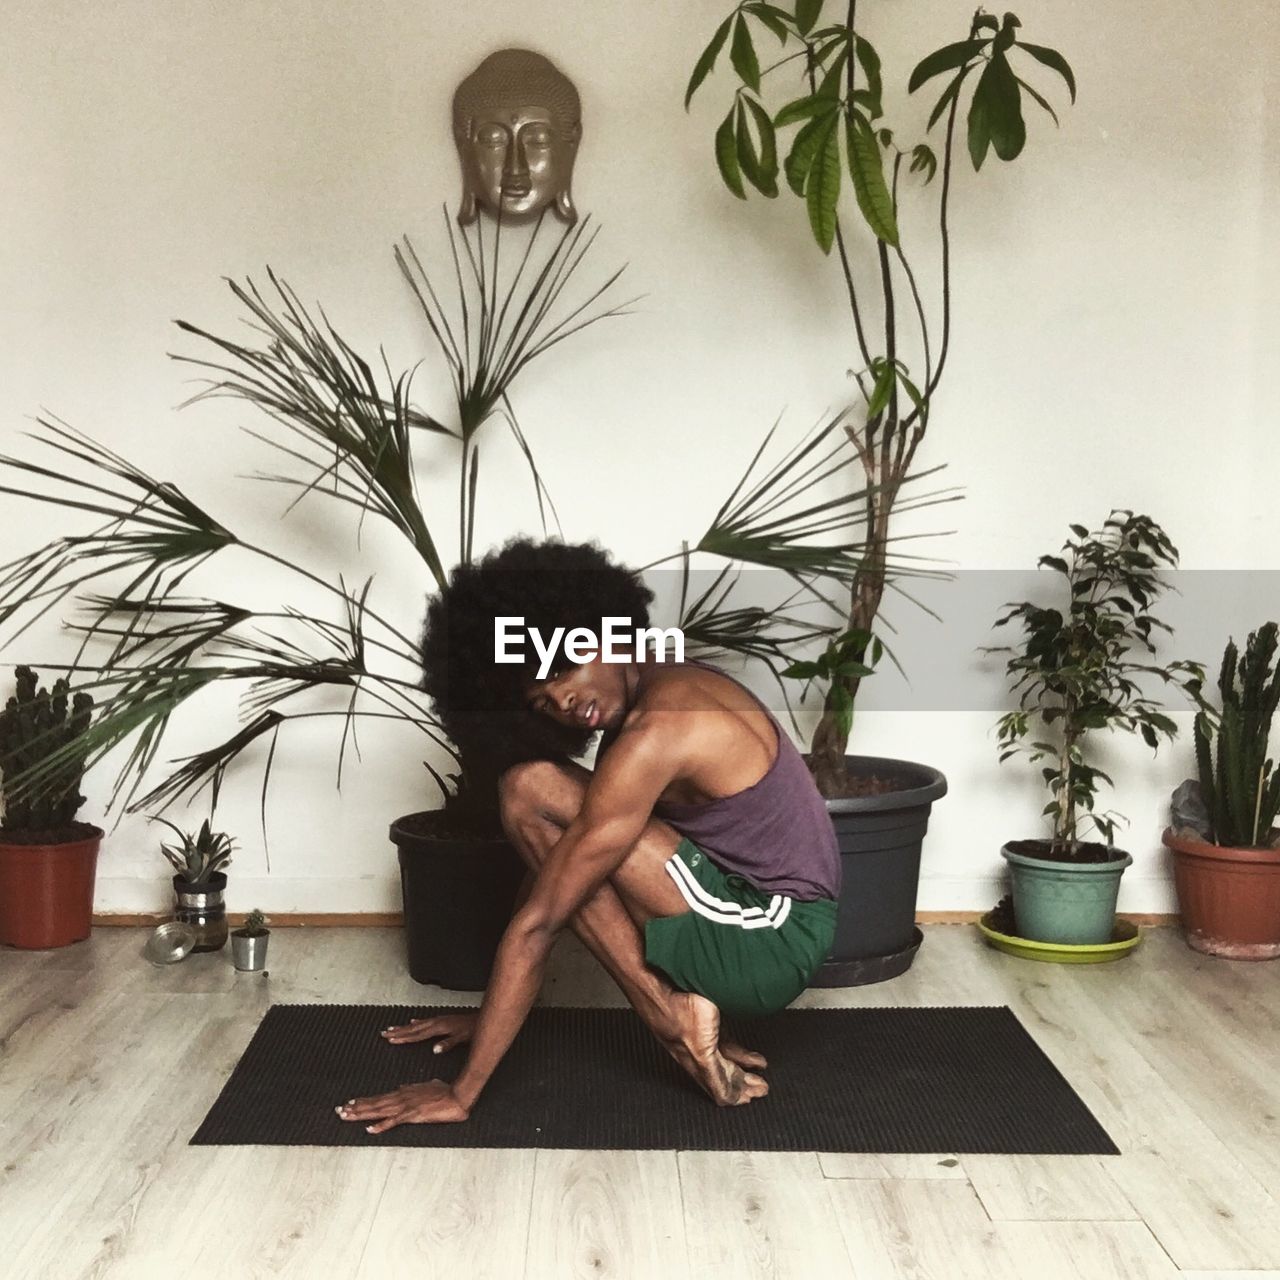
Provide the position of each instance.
(776, 833)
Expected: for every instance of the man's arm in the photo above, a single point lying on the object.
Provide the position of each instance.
(618, 803)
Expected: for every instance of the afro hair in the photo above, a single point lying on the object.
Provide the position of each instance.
(481, 704)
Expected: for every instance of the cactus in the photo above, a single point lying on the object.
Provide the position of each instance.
(1241, 788)
(255, 924)
(39, 731)
(200, 856)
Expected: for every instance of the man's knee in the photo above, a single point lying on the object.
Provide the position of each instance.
(526, 786)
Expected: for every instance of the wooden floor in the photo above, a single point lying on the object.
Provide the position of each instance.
(108, 1064)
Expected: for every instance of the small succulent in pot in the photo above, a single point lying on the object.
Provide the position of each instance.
(255, 925)
(249, 942)
(198, 861)
(200, 857)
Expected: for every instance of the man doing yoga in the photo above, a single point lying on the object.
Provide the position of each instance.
(697, 861)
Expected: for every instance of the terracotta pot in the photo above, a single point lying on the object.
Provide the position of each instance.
(1229, 898)
(46, 892)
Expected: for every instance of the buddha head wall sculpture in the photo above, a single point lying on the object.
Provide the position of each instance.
(517, 120)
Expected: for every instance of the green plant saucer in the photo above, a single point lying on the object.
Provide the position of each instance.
(1124, 939)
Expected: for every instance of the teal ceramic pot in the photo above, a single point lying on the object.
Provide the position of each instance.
(1064, 902)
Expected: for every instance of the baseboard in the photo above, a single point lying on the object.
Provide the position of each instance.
(279, 920)
(393, 919)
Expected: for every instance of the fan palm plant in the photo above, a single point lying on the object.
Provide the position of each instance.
(344, 433)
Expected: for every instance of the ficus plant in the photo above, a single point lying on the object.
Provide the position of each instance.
(818, 111)
(1074, 670)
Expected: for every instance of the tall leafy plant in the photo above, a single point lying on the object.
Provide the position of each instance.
(345, 432)
(1074, 672)
(814, 115)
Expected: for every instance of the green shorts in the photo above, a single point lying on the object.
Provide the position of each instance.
(748, 951)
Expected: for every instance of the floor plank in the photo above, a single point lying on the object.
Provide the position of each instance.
(1047, 1188)
(760, 1215)
(602, 1214)
(449, 1212)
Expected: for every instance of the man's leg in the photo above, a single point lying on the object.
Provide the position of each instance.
(539, 800)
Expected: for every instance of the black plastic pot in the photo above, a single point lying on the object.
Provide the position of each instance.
(459, 895)
(879, 837)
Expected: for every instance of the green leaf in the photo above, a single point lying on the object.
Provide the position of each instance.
(768, 168)
(842, 704)
(1041, 99)
(727, 156)
(801, 109)
(742, 53)
(870, 62)
(707, 61)
(1052, 58)
(801, 670)
(805, 148)
(1006, 128)
(822, 190)
(949, 95)
(773, 18)
(995, 115)
(1004, 37)
(923, 161)
(944, 59)
(866, 168)
(852, 668)
(832, 80)
(883, 388)
(1079, 530)
(807, 13)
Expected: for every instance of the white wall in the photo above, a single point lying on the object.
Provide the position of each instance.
(1113, 327)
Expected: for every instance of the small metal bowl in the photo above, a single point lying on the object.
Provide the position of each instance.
(170, 942)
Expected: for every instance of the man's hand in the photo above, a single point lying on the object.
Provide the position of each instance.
(453, 1028)
(432, 1102)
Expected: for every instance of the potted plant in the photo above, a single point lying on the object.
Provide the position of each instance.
(249, 943)
(1076, 678)
(48, 860)
(1227, 866)
(199, 882)
(835, 125)
(347, 438)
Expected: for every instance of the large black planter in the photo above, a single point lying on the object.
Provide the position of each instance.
(879, 838)
(459, 895)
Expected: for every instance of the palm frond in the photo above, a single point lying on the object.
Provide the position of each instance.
(314, 383)
(776, 521)
(152, 530)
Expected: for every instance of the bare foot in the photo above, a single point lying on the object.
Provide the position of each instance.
(699, 1052)
(743, 1057)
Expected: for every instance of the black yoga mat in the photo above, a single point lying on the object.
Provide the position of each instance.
(880, 1080)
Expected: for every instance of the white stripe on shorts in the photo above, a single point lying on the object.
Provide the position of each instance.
(705, 903)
